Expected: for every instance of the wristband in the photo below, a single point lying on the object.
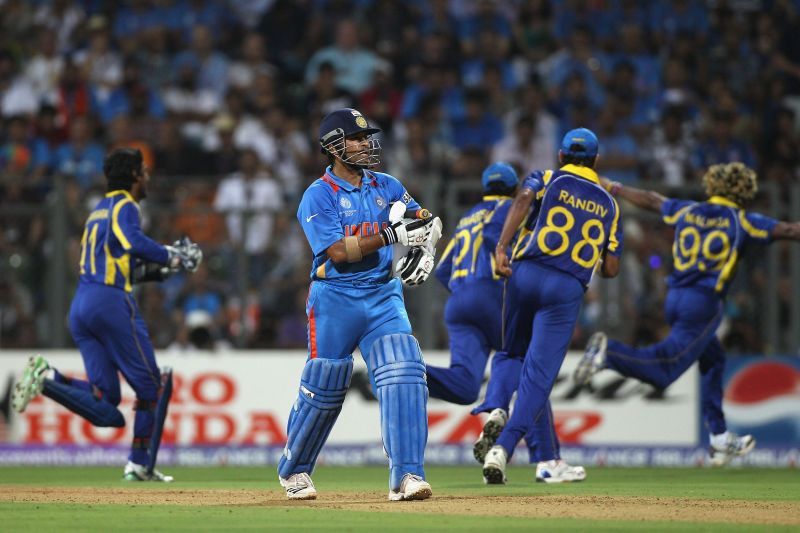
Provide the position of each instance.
(614, 187)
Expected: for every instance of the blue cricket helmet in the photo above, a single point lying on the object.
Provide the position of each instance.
(341, 124)
(499, 173)
(580, 142)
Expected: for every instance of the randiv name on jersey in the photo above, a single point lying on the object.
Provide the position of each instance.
(589, 206)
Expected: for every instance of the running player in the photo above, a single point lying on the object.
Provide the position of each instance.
(572, 228)
(354, 301)
(710, 236)
(474, 314)
(105, 322)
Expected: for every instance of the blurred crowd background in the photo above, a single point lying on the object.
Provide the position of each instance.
(224, 100)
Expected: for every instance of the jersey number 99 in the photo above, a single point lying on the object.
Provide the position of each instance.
(690, 245)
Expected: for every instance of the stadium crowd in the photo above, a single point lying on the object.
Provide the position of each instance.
(224, 100)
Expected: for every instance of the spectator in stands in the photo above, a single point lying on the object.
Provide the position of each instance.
(529, 146)
(720, 146)
(479, 129)
(668, 157)
(250, 200)
(44, 69)
(17, 96)
(80, 158)
(209, 66)
(253, 60)
(355, 66)
(100, 64)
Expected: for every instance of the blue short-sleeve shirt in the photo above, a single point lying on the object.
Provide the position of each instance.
(332, 208)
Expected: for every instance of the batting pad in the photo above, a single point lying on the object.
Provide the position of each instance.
(98, 411)
(323, 386)
(398, 372)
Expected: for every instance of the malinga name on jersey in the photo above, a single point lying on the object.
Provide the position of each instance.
(703, 222)
(363, 229)
(579, 203)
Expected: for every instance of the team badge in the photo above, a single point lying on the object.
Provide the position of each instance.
(381, 202)
(361, 122)
(345, 203)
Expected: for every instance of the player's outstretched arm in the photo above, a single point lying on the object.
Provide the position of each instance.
(516, 214)
(786, 231)
(650, 200)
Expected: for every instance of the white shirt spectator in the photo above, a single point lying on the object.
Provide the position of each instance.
(43, 73)
(260, 193)
(19, 99)
(535, 152)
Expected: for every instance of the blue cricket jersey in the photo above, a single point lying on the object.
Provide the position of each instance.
(572, 222)
(332, 208)
(113, 241)
(709, 237)
(470, 254)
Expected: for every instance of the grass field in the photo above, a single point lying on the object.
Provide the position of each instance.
(354, 499)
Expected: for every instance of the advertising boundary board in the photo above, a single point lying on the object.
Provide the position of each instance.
(231, 408)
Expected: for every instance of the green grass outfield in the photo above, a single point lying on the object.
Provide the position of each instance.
(353, 499)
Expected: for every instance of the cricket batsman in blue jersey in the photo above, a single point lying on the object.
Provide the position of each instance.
(474, 314)
(571, 228)
(710, 237)
(355, 301)
(105, 322)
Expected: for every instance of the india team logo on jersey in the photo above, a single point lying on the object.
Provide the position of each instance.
(345, 203)
(381, 202)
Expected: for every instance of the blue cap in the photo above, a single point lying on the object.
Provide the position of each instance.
(499, 172)
(344, 122)
(580, 142)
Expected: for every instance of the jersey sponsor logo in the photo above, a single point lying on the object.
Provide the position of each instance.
(345, 203)
(364, 229)
(308, 218)
(589, 206)
(406, 198)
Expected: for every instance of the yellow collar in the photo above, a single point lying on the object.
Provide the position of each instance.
(491, 197)
(122, 192)
(583, 172)
(721, 200)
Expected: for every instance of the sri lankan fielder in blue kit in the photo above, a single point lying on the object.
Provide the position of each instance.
(710, 237)
(354, 301)
(105, 322)
(474, 313)
(572, 228)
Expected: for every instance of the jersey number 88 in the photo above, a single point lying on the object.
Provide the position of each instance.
(593, 242)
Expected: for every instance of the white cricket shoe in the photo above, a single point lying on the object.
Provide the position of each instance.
(30, 385)
(491, 430)
(412, 487)
(136, 472)
(494, 467)
(735, 446)
(299, 487)
(593, 360)
(557, 471)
